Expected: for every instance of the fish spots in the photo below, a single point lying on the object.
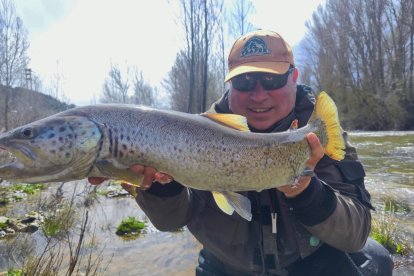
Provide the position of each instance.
(51, 135)
(62, 129)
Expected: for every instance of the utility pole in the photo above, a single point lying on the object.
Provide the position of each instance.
(28, 78)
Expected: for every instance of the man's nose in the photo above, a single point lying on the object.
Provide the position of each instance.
(258, 94)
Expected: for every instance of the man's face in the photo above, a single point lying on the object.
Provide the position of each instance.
(263, 108)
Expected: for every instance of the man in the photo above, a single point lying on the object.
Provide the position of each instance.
(317, 227)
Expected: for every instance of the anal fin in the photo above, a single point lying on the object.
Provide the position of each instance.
(229, 202)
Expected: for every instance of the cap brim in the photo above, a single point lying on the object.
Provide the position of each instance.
(266, 67)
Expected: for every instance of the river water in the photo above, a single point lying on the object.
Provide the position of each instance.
(388, 158)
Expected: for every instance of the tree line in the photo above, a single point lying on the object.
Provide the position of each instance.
(362, 53)
(359, 51)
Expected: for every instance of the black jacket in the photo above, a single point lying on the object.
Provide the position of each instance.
(334, 209)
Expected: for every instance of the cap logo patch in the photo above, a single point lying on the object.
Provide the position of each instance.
(255, 46)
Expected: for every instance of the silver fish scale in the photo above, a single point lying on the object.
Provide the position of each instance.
(104, 140)
(200, 153)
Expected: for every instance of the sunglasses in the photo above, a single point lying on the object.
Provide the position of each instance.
(247, 82)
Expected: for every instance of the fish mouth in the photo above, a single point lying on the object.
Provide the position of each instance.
(16, 163)
(6, 157)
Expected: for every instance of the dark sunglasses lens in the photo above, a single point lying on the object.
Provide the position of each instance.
(245, 82)
(272, 81)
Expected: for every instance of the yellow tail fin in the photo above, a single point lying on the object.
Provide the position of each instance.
(326, 110)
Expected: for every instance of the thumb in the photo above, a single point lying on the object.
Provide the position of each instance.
(317, 150)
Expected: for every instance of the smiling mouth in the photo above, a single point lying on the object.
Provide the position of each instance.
(260, 110)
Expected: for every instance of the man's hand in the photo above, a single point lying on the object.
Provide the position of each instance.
(150, 175)
(303, 182)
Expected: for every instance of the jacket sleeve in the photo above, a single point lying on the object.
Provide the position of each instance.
(168, 206)
(336, 206)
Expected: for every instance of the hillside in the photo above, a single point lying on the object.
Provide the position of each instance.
(25, 106)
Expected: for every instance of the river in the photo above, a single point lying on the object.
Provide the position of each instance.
(388, 158)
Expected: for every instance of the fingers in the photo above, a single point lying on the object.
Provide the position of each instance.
(96, 180)
(163, 178)
(317, 152)
(150, 175)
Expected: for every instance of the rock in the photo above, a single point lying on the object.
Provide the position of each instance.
(32, 227)
(9, 231)
(33, 216)
(3, 220)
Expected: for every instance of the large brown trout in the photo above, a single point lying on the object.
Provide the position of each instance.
(213, 152)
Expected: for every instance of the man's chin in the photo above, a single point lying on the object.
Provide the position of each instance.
(259, 125)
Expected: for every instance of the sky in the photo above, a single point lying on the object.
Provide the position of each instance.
(80, 39)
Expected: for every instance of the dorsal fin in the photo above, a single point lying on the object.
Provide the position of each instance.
(294, 125)
(234, 121)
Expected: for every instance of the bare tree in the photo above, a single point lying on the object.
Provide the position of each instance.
(239, 15)
(361, 52)
(13, 48)
(143, 93)
(115, 88)
(176, 83)
(200, 21)
(128, 88)
(13, 45)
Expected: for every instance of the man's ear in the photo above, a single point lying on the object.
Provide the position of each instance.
(295, 75)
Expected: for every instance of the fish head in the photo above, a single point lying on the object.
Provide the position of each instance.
(50, 149)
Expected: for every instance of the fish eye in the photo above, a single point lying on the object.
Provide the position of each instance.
(27, 132)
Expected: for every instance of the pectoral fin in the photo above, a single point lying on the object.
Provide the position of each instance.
(229, 202)
(107, 168)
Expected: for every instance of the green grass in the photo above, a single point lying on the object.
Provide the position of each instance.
(3, 226)
(15, 272)
(27, 188)
(130, 226)
(385, 229)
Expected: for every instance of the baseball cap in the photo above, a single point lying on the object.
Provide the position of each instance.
(259, 51)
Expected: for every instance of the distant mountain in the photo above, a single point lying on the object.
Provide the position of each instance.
(25, 106)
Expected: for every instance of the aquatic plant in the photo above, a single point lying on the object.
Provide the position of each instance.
(130, 226)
